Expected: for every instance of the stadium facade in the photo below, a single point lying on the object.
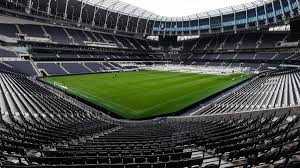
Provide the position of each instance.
(117, 16)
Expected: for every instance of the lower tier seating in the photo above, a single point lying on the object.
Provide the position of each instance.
(264, 92)
(60, 68)
(41, 129)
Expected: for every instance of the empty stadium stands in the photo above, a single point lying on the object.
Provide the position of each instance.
(236, 41)
(63, 35)
(41, 129)
(25, 67)
(61, 68)
(265, 92)
(6, 53)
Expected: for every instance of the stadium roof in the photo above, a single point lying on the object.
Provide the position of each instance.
(131, 10)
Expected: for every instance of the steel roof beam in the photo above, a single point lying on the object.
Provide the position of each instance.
(221, 21)
(256, 16)
(290, 8)
(209, 22)
(128, 19)
(282, 10)
(266, 14)
(29, 6)
(108, 12)
(118, 17)
(234, 20)
(155, 19)
(190, 31)
(108, 5)
(66, 9)
(49, 7)
(147, 22)
(246, 24)
(274, 12)
(165, 27)
(81, 8)
(198, 24)
(139, 19)
(96, 9)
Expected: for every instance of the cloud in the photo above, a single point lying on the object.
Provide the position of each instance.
(177, 8)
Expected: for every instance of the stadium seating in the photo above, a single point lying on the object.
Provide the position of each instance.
(61, 68)
(52, 68)
(8, 30)
(219, 43)
(236, 41)
(6, 53)
(94, 66)
(265, 92)
(32, 30)
(41, 129)
(22, 66)
(58, 34)
(62, 35)
(75, 68)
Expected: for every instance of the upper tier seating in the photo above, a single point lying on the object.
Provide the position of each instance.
(232, 40)
(244, 56)
(216, 42)
(6, 53)
(68, 56)
(62, 35)
(78, 36)
(58, 34)
(124, 42)
(111, 38)
(99, 37)
(236, 41)
(43, 55)
(265, 55)
(203, 43)
(228, 56)
(250, 41)
(8, 30)
(32, 30)
(282, 56)
(270, 40)
(90, 36)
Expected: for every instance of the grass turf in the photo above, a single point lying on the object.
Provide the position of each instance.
(139, 95)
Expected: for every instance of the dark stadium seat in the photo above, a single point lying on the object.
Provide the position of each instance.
(139, 159)
(211, 166)
(9, 30)
(7, 53)
(32, 30)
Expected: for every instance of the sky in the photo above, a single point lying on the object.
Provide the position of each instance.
(177, 8)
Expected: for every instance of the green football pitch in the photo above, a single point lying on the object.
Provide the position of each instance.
(144, 94)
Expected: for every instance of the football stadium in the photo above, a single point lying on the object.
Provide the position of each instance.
(150, 84)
